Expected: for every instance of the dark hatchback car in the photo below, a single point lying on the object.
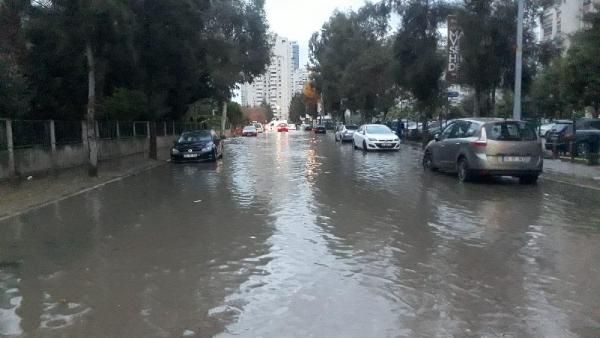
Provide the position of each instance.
(320, 129)
(196, 146)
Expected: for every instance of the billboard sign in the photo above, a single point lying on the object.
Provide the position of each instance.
(455, 34)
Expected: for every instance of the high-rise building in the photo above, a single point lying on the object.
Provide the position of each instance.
(300, 78)
(275, 87)
(564, 18)
(295, 55)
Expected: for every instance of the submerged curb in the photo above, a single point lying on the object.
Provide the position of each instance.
(82, 191)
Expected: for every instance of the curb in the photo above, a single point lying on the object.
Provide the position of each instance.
(83, 191)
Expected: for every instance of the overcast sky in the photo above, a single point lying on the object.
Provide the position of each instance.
(297, 20)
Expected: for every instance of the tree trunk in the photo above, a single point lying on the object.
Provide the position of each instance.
(224, 118)
(494, 109)
(91, 112)
(476, 103)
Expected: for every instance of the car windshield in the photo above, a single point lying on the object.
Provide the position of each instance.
(510, 131)
(558, 127)
(351, 127)
(196, 136)
(257, 125)
(378, 130)
(249, 128)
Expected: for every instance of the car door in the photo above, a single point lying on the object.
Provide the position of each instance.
(440, 156)
(456, 140)
(359, 136)
(217, 141)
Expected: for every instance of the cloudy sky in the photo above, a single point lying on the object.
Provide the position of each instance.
(297, 20)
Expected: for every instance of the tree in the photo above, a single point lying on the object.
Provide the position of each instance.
(351, 57)
(311, 98)
(126, 105)
(268, 111)
(297, 107)
(581, 66)
(487, 48)
(418, 62)
(235, 114)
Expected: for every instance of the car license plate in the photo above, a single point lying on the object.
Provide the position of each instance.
(387, 145)
(519, 159)
(190, 155)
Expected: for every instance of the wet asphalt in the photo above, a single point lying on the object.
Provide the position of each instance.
(295, 235)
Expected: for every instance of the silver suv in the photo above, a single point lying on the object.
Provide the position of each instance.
(487, 147)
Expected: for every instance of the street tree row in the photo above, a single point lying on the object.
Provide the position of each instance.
(366, 60)
(127, 59)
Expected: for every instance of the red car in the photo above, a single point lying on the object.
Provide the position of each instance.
(282, 127)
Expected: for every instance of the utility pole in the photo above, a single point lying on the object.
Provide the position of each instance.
(519, 63)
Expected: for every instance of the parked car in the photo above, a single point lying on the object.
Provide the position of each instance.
(375, 137)
(587, 136)
(282, 127)
(487, 147)
(345, 133)
(545, 128)
(306, 127)
(292, 126)
(197, 145)
(560, 135)
(250, 131)
(320, 129)
(259, 128)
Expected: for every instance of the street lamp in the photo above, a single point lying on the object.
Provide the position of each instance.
(519, 62)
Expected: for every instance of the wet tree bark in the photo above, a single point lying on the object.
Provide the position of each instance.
(91, 112)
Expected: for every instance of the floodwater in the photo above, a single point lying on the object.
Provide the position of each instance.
(294, 235)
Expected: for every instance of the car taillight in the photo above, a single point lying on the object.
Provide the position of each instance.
(482, 141)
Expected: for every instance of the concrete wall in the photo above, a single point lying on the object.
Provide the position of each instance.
(37, 159)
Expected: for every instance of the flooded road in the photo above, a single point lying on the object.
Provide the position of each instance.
(296, 236)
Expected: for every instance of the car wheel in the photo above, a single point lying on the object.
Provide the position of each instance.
(365, 146)
(213, 156)
(428, 162)
(583, 149)
(354, 144)
(462, 168)
(529, 179)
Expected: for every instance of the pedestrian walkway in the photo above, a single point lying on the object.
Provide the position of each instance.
(572, 173)
(19, 196)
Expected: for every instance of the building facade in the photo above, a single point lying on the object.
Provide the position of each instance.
(564, 18)
(300, 78)
(276, 86)
(295, 55)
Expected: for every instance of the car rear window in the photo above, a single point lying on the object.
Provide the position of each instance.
(351, 127)
(510, 131)
(560, 127)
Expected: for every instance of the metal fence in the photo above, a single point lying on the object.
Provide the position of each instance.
(67, 132)
(107, 130)
(29, 134)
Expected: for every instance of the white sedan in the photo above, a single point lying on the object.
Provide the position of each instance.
(375, 137)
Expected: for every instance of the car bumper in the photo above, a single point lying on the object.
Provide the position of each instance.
(383, 146)
(249, 134)
(320, 131)
(347, 137)
(192, 157)
(496, 166)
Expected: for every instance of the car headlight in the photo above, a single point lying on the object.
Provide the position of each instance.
(174, 151)
(208, 147)
(372, 139)
(396, 139)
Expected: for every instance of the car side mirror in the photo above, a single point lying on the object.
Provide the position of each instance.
(436, 137)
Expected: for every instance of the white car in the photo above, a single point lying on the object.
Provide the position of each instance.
(375, 137)
(292, 126)
(259, 127)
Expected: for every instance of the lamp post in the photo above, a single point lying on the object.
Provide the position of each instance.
(519, 62)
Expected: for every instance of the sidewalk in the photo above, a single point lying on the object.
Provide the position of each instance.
(572, 173)
(17, 197)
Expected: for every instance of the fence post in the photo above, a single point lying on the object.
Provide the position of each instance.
(165, 127)
(118, 130)
(133, 129)
(84, 136)
(53, 145)
(152, 139)
(12, 170)
(97, 126)
(148, 129)
(174, 132)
